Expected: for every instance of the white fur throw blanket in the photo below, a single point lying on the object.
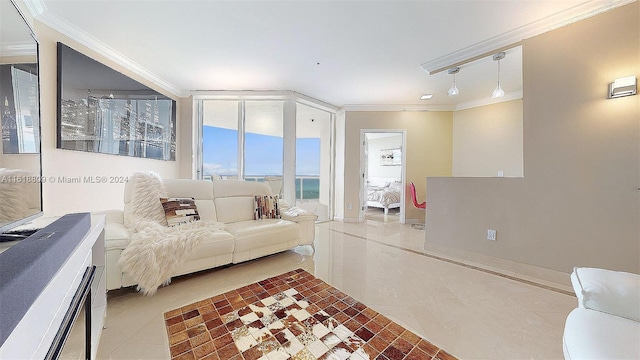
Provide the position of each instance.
(156, 251)
(145, 204)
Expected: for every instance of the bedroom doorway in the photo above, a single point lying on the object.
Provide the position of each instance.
(382, 184)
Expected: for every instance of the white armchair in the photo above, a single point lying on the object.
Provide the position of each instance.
(606, 323)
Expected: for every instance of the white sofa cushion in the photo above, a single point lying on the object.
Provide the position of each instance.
(592, 334)
(220, 242)
(254, 234)
(234, 199)
(612, 292)
(117, 236)
(234, 209)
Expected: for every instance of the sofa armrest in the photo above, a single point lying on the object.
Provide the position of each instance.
(113, 216)
(306, 220)
(612, 292)
(297, 214)
(283, 205)
(116, 234)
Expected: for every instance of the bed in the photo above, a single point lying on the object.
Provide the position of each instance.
(385, 196)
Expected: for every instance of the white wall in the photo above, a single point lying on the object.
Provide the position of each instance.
(60, 197)
(376, 144)
(488, 139)
(339, 172)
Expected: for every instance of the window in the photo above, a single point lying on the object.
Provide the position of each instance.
(244, 136)
(220, 139)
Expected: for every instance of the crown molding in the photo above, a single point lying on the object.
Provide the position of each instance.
(489, 101)
(397, 107)
(35, 7)
(461, 106)
(514, 37)
(73, 32)
(19, 49)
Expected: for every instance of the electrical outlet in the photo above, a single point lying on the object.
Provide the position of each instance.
(500, 173)
(349, 206)
(491, 234)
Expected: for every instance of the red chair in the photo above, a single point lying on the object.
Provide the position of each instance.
(422, 205)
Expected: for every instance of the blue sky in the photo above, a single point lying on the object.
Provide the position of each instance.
(263, 154)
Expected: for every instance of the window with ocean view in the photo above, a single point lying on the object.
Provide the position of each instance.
(307, 169)
(245, 139)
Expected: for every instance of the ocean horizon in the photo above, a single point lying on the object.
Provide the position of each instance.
(310, 184)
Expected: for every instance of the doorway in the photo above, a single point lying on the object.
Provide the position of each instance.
(382, 184)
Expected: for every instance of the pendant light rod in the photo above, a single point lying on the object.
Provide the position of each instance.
(498, 92)
(477, 57)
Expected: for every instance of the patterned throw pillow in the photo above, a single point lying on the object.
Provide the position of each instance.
(179, 210)
(266, 207)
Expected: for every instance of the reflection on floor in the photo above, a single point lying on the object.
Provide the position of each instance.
(469, 313)
(375, 214)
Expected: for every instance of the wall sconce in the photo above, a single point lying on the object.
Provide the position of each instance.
(625, 86)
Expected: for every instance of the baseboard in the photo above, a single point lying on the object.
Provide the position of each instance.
(412, 221)
(346, 220)
(551, 278)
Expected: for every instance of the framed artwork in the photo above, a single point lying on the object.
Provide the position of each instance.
(391, 157)
(101, 110)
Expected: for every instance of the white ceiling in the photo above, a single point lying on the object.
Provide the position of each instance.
(345, 53)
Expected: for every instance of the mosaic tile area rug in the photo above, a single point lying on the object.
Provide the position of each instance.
(291, 316)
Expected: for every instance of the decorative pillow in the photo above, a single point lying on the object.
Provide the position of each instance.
(266, 207)
(395, 186)
(179, 210)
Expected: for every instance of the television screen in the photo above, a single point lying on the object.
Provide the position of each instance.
(101, 110)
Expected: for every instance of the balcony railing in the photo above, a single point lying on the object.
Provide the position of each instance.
(307, 186)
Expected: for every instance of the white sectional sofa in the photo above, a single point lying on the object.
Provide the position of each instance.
(606, 323)
(227, 201)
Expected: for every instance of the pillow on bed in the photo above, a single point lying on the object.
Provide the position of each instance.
(395, 186)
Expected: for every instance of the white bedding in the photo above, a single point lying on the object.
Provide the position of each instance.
(386, 197)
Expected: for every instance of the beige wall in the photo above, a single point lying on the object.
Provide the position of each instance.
(428, 151)
(488, 139)
(61, 198)
(578, 204)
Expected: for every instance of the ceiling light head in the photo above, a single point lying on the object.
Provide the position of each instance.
(498, 92)
(454, 89)
(426, 96)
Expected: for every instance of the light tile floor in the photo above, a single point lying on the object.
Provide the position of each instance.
(471, 314)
